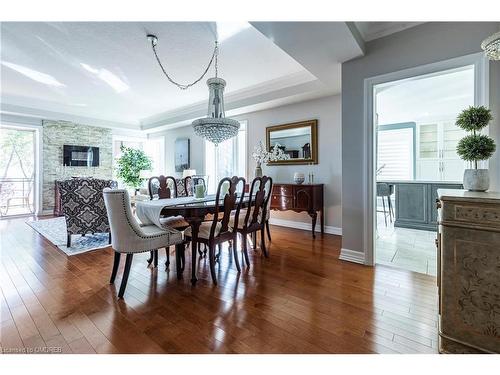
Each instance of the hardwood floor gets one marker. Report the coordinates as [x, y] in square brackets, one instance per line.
[300, 300]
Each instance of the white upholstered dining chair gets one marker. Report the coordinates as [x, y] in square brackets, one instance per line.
[129, 237]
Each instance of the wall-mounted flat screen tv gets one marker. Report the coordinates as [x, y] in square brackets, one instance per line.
[80, 156]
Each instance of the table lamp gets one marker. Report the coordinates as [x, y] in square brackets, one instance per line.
[144, 175]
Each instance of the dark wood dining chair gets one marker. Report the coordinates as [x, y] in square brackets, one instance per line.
[162, 186]
[190, 181]
[254, 217]
[306, 151]
[214, 233]
[165, 187]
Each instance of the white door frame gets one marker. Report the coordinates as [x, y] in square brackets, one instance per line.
[33, 124]
[481, 95]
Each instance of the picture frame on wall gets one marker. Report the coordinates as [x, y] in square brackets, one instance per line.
[299, 140]
[182, 154]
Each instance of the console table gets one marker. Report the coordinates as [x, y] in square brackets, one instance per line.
[300, 198]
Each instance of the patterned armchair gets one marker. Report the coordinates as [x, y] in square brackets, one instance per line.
[83, 205]
[181, 187]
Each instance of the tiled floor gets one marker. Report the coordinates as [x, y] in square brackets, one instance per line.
[410, 249]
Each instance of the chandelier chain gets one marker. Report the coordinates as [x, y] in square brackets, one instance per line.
[183, 86]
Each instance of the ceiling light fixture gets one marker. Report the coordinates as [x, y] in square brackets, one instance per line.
[491, 46]
[216, 127]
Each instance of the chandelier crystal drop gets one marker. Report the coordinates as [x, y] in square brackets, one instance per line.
[491, 46]
[216, 128]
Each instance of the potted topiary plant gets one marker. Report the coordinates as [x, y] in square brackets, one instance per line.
[475, 147]
[130, 164]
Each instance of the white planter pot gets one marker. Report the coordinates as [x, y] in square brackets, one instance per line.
[476, 179]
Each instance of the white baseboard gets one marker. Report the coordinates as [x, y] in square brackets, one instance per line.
[352, 256]
[305, 226]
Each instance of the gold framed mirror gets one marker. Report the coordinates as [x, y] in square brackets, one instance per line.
[299, 140]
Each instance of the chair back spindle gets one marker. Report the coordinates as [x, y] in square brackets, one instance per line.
[191, 181]
[260, 194]
[232, 202]
[163, 186]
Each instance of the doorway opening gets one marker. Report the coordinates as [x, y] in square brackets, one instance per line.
[415, 153]
[18, 166]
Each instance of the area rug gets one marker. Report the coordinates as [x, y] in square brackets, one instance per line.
[55, 231]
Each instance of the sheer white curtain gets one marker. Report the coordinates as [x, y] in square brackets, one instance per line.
[227, 159]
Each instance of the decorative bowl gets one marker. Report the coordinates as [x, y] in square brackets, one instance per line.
[298, 178]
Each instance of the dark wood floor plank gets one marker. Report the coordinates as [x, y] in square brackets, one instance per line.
[302, 299]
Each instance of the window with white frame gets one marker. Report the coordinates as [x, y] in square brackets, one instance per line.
[153, 147]
[396, 151]
[227, 159]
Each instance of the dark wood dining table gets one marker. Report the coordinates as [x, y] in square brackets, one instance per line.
[194, 212]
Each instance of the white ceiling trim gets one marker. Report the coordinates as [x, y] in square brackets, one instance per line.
[320, 47]
[375, 30]
[272, 90]
[241, 112]
[10, 109]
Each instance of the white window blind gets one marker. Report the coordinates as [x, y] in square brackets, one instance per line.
[395, 154]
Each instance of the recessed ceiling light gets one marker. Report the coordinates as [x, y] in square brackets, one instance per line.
[226, 30]
[105, 75]
[34, 75]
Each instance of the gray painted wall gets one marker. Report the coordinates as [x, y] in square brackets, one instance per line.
[59, 133]
[495, 124]
[423, 44]
[197, 149]
[326, 110]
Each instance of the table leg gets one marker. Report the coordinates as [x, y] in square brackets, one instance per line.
[322, 221]
[195, 226]
[314, 216]
[178, 260]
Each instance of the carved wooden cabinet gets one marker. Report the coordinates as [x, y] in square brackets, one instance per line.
[469, 271]
[300, 198]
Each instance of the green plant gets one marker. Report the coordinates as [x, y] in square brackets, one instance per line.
[130, 164]
[475, 147]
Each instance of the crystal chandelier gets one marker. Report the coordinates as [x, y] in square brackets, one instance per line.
[215, 128]
[491, 46]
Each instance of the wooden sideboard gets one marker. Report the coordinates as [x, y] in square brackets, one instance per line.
[300, 198]
[468, 271]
